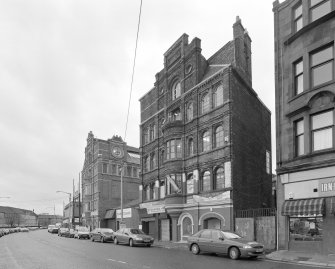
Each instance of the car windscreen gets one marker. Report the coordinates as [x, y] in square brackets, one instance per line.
[230, 235]
[107, 231]
[136, 231]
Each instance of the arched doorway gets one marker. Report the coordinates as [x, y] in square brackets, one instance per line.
[185, 223]
[212, 223]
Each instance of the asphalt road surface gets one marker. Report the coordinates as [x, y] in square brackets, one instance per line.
[42, 250]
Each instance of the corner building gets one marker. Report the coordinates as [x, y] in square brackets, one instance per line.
[205, 140]
[305, 100]
[101, 179]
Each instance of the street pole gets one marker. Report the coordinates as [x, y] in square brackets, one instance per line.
[121, 182]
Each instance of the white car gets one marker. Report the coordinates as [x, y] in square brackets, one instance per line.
[81, 232]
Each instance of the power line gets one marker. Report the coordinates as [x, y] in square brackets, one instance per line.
[132, 76]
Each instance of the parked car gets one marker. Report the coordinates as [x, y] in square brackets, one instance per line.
[102, 235]
[132, 237]
[63, 231]
[71, 233]
[81, 232]
[224, 242]
[52, 229]
[24, 229]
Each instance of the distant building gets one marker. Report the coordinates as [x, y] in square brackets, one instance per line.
[205, 140]
[71, 214]
[305, 133]
[101, 178]
[45, 219]
[15, 217]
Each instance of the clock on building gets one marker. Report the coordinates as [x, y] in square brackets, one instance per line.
[117, 152]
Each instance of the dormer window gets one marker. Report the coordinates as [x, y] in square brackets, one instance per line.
[176, 90]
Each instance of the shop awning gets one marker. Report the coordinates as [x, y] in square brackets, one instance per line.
[304, 207]
[109, 214]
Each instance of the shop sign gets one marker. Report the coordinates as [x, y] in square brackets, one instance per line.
[94, 213]
[156, 209]
[327, 186]
[223, 197]
[126, 213]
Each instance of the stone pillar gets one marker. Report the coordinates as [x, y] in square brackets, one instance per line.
[196, 180]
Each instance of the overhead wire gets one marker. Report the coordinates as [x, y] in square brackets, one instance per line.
[133, 72]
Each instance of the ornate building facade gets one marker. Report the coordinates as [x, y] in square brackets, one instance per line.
[101, 179]
[205, 140]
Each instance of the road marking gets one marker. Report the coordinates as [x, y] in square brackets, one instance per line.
[132, 265]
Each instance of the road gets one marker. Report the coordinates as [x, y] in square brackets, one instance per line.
[42, 250]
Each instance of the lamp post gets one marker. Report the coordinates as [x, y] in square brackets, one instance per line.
[69, 204]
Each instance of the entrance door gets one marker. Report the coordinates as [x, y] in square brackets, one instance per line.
[212, 223]
[165, 230]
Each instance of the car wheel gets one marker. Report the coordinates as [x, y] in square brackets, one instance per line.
[195, 249]
[131, 243]
[102, 240]
[115, 241]
[234, 253]
[92, 238]
[149, 246]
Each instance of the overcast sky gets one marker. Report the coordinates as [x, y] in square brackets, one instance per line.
[65, 70]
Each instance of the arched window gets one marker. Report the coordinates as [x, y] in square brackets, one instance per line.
[219, 141]
[206, 181]
[162, 157]
[176, 90]
[190, 147]
[206, 143]
[162, 189]
[146, 164]
[219, 179]
[189, 111]
[205, 103]
[146, 135]
[218, 96]
[152, 132]
[189, 184]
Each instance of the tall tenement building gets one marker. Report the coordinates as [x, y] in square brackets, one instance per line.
[205, 140]
[101, 178]
[305, 99]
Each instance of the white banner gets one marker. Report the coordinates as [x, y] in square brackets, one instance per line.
[156, 209]
[126, 213]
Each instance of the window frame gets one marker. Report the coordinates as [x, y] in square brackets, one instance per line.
[207, 148]
[215, 182]
[298, 136]
[176, 90]
[202, 185]
[316, 6]
[313, 131]
[172, 149]
[215, 95]
[189, 111]
[205, 107]
[298, 18]
[190, 146]
[298, 75]
[318, 65]
[218, 138]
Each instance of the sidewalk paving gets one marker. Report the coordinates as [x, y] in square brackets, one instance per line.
[302, 258]
[325, 261]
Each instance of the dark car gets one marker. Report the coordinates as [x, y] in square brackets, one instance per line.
[133, 237]
[102, 235]
[224, 242]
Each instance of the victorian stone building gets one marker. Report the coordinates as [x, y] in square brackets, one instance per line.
[205, 140]
[101, 179]
[305, 102]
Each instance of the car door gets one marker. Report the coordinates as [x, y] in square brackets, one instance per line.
[217, 243]
[205, 240]
[120, 236]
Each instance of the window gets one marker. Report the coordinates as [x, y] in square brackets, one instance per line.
[129, 170]
[297, 14]
[189, 184]
[135, 172]
[154, 193]
[219, 179]
[206, 181]
[162, 157]
[173, 149]
[299, 137]
[104, 168]
[298, 77]
[322, 66]
[322, 130]
[218, 139]
[189, 112]
[268, 162]
[162, 189]
[175, 115]
[119, 170]
[319, 8]
[146, 164]
[205, 103]
[176, 90]
[146, 135]
[152, 132]
[147, 192]
[173, 183]
[190, 147]
[114, 169]
[307, 229]
[153, 161]
[206, 143]
[218, 96]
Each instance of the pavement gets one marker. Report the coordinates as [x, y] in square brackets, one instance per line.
[313, 259]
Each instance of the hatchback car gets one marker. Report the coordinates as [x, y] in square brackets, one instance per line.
[63, 232]
[132, 237]
[102, 235]
[224, 242]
